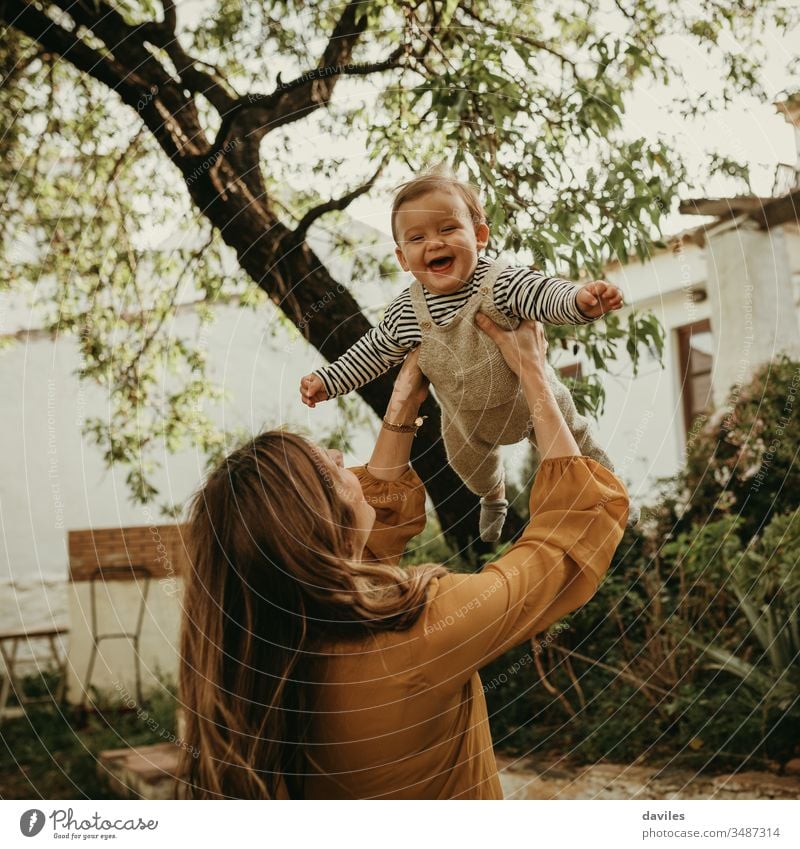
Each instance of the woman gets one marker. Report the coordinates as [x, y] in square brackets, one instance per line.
[313, 666]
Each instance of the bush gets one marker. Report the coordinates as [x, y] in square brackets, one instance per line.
[53, 749]
[664, 664]
[743, 460]
[689, 651]
[762, 585]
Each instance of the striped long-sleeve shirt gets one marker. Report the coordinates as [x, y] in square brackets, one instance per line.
[518, 291]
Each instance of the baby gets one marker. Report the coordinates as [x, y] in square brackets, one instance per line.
[439, 227]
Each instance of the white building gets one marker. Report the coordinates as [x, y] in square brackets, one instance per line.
[727, 293]
[728, 298]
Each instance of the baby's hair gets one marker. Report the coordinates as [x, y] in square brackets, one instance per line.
[440, 176]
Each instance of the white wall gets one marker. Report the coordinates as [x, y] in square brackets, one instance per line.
[753, 310]
[643, 425]
[53, 480]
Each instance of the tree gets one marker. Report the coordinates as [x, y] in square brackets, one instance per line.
[103, 102]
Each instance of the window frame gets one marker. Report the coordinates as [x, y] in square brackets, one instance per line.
[685, 333]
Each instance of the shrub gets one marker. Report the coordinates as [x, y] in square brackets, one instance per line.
[743, 462]
[690, 657]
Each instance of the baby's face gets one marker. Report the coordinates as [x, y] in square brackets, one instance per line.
[438, 242]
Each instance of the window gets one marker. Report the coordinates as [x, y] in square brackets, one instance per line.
[695, 349]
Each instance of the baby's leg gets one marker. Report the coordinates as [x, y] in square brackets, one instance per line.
[479, 465]
[578, 424]
[581, 430]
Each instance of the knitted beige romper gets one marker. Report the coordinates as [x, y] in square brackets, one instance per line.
[482, 402]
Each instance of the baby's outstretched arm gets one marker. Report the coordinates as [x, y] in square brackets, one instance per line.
[370, 357]
[529, 294]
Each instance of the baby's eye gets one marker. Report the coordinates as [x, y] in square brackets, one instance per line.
[416, 239]
[449, 227]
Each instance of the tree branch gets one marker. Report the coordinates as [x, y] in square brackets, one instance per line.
[529, 40]
[293, 100]
[164, 36]
[122, 39]
[130, 70]
[55, 39]
[299, 232]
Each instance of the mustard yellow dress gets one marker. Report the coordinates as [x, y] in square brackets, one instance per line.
[402, 714]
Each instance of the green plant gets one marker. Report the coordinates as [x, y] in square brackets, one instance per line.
[743, 460]
[52, 751]
[687, 654]
[764, 581]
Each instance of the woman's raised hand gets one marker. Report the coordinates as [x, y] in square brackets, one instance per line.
[392, 450]
[523, 349]
[410, 385]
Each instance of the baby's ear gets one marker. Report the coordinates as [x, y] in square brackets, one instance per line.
[482, 234]
[401, 258]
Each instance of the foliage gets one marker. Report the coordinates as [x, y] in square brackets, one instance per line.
[763, 580]
[431, 546]
[689, 658]
[528, 99]
[742, 460]
[689, 652]
[600, 340]
[52, 751]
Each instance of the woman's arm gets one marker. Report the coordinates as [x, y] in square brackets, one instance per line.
[389, 484]
[524, 350]
[578, 513]
[578, 510]
[389, 460]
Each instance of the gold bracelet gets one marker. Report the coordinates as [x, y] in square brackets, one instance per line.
[405, 428]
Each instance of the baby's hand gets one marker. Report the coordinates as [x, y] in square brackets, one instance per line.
[312, 391]
[599, 297]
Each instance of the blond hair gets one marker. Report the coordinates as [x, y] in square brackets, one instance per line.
[440, 177]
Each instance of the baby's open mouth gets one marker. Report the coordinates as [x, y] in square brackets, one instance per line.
[441, 263]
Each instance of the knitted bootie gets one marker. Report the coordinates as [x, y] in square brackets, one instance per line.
[493, 517]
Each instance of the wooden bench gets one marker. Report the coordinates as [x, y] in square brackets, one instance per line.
[9, 644]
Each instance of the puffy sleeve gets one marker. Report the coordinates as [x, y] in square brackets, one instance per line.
[578, 514]
[399, 513]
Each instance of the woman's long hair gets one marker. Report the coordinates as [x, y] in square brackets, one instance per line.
[271, 545]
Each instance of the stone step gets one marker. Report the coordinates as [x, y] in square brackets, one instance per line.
[148, 772]
[529, 779]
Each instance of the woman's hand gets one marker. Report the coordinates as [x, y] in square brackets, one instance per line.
[410, 385]
[392, 450]
[524, 349]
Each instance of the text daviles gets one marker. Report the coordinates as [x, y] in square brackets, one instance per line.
[663, 815]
